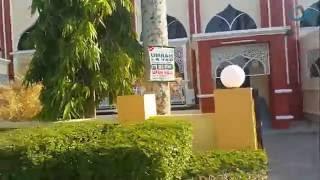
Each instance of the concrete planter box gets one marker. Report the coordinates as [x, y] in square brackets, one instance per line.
[136, 108]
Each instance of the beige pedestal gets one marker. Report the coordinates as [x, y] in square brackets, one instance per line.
[234, 120]
[135, 108]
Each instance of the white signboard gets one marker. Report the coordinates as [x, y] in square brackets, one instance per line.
[162, 63]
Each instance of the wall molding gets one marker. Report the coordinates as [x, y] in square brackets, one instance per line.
[23, 52]
[4, 61]
[285, 117]
[283, 91]
[238, 42]
[240, 33]
[205, 96]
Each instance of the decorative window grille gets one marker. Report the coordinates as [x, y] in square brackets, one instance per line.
[179, 59]
[252, 58]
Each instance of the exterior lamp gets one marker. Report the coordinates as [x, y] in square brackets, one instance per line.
[232, 76]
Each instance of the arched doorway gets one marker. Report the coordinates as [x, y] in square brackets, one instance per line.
[254, 60]
[251, 67]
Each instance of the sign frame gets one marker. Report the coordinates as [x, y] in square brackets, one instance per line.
[173, 76]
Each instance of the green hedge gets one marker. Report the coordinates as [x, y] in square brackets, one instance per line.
[84, 151]
[98, 151]
[234, 165]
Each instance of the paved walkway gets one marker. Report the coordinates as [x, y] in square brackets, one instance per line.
[294, 153]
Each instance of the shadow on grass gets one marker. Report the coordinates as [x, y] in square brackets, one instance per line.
[6, 129]
[94, 164]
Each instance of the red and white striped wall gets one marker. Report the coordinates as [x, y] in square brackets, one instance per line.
[6, 34]
[286, 91]
[275, 13]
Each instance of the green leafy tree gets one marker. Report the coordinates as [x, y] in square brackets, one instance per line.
[86, 50]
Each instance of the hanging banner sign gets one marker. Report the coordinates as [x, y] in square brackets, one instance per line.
[162, 63]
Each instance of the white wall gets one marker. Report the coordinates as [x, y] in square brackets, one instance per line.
[309, 40]
[21, 19]
[175, 8]
[306, 3]
[209, 8]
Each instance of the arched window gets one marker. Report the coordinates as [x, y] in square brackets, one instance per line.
[230, 19]
[253, 58]
[25, 42]
[252, 67]
[175, 29]
[311, 16]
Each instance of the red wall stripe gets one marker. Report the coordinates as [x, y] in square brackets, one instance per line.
[264, 8]
[191, 16]
[8, 34]
[194, 16]
[198, 16]
[2, 50]
[276, 13]
[280, 103]
[293, 54]
[205, 75]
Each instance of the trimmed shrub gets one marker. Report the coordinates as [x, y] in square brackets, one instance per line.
[233, 165]
[19, 103]
[96, 150]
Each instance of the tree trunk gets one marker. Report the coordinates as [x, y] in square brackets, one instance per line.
[90, 107]
[154, 33]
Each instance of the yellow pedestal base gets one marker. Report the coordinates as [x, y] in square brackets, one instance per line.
[234, 120]
[135, 108]
[232, 127]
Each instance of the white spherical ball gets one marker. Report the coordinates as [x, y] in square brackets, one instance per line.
[233, 76]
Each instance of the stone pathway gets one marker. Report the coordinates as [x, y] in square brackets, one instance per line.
[294, 153]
